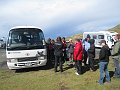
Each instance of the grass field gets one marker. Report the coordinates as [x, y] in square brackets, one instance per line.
[45, 79]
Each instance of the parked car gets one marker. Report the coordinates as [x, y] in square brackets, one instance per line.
[2, 43]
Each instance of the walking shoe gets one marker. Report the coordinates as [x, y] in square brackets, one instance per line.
[77, 73]
[92, 70]
[107, 81]
[116, 77]
[99, 83]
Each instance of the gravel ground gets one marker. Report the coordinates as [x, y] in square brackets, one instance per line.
[3, 59]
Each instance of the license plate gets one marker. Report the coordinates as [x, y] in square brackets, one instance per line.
[29, 64]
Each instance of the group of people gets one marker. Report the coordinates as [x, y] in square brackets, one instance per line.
[83, 51]
[62, 51]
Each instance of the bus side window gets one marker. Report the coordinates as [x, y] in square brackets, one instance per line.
[110, 39]
[100, 36]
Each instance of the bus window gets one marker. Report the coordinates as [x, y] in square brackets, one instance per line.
[110, 38]
[100, 36]
[26, 38]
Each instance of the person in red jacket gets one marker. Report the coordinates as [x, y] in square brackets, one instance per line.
[78, 56]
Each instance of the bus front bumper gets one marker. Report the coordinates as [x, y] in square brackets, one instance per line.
[26, 64]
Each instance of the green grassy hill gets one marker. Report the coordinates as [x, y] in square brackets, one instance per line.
[74, 36]
[116, 28]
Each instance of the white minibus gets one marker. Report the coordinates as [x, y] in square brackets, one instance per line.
[108, 36]
[26, 47]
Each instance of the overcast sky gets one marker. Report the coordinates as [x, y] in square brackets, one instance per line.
[59, 17]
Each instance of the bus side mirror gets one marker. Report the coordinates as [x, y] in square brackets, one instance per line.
[43, 42]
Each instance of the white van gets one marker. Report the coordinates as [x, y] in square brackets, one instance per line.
[26, 47]
[102, 35]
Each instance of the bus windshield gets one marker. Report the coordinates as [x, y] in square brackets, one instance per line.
[25, 39]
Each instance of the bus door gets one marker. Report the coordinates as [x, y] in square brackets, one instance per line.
[95, 38]
[110, 41]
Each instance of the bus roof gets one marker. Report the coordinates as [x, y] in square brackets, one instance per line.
[111, 32]
[25, 27]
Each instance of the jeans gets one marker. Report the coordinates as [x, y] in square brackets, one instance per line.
[78, 66]
[103, 67]
[117, 67]
[58, 60]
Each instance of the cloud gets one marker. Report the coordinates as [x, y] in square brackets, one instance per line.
[58, 17]
[42, 10]
[98, 25]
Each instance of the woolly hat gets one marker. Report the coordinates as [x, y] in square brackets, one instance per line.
[88, 36]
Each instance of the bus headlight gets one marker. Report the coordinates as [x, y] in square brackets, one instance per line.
[12, 60]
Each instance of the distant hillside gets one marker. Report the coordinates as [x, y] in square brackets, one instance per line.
[74, 36]
[116, 29]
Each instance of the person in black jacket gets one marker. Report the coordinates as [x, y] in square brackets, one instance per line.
[48, 44]
[58, 52]
[91, 54]
[104, 60]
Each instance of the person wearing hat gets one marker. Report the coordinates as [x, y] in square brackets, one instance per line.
[91, 55]
[103, 62]
[86, 47]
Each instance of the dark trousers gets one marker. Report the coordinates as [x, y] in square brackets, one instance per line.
[91, 63]
[117, 67]
[58, 61]
[52, 57]
[85, 57]
[78, 66]
[64, 56]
